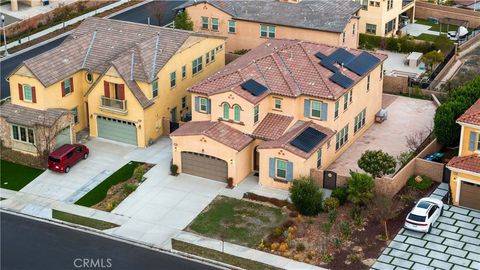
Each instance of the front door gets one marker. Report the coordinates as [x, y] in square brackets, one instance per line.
[173, 115]
[88, 118]
[329, 180]
[256, 158]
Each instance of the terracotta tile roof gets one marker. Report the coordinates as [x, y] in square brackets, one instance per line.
[272, 126]
[468, 163]
[331, 16]
[286, 67]
[472, 115]
[284, 141]
[16, 114]
[137, 51]
[217, 131]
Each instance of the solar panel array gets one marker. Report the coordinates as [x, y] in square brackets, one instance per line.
[253, 87]
[360, 64]
[308, 139]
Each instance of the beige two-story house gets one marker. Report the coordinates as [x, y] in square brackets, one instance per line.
[247, 24]
[282, 109]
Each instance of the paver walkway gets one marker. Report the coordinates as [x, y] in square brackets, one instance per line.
[453, 244]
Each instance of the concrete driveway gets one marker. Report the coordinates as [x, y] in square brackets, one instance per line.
[104, 159]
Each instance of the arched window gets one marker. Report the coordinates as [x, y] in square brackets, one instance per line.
[226, 111]
[236, 113]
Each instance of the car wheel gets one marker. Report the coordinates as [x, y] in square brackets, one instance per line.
[85, 156]
[67, 169]
[441, 211]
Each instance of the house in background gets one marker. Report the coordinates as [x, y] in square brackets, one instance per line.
[122, 81]
[385, 17]
[247, 24]
[465, 169]
[283, 108]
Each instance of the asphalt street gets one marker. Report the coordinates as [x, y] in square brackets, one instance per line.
[139, 15]
[30, 244]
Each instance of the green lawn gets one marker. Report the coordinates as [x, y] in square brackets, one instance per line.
[99, 193]
[436, 27]
[15, 176]
[84, 221]
[237, 221]
[427, 37]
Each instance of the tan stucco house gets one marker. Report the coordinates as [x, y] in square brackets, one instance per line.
[282, 109]
[465, 169]
[385, 17]
[122, 81]
[248, 24]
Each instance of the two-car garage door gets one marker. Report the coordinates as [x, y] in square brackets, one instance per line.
[469, 193]
[204, 166]
[117, 130]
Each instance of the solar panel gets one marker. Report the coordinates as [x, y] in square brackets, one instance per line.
[341, 80]
[308, 139]
[363, 63]
[320, 55]
[329, 66]
[341, 56]
[254, 87]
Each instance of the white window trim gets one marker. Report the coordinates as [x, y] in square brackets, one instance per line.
[276, 168]
[26, 134]
[311, 109]
[174, 79]
[275, 104]
[200, 104]
[24, 95]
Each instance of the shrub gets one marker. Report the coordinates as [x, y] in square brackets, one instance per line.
[345, 229]
[300, 247]
[337, 242]
[327, 258]
[174, 169]
[356, 214]
[129, 188]
[426, 182]
[326, 227]
[288, 223]
[332, 215]
[138, 172]
[405, 157]
[340, 193]
[306, 196]
[277, 232]
[183, 21]
[377, 163]
[283, 247]
[241, 51]
[360, 187]
[331, 203]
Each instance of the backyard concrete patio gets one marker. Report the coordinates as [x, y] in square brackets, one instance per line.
[406, 116]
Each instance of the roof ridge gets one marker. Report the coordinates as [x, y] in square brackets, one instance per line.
[316, 67]
[299, 89]
[282, 74]
[89, 48]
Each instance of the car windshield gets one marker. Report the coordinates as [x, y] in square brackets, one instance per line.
[416, 218]
[53, 159]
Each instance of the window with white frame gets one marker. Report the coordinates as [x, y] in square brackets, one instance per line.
[212, 55]
[341, 137]
[267, 31]
[203, 105]
[23, 134]
[390, 26]
[204, 23]
[155, 88]
[75, 115]
[371, 29]
[337, 108]
[197, 65]
[359, 121]
[184, 102]
[281, 168]
[316, 109]
[345, 102]
[214, 24]
[319, 158]
[256, 114]
[207, 58]
[278, 104]
[67, 86]
[232, 27]
[27, 92]
[173, 79]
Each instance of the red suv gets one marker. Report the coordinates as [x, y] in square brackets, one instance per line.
[67, 155]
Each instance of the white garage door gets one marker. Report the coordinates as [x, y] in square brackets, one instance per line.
[117, 130]
[64, 137]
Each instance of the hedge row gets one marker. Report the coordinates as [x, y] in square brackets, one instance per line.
[404, 44]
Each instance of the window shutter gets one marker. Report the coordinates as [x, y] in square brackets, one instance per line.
[106, 89]
[324, 114]
[208, 105]
[272, 168]
[473, 136]
[63, 89]
[34, 95]
[306, 107]
[121, 90]
[20, 91]
[197, 104]
[71, 85]
[289, 171]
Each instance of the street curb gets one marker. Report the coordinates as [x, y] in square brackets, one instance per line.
[96, 232]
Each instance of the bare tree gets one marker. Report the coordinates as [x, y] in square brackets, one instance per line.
[415, 140]
[383, 209]
[157, 10]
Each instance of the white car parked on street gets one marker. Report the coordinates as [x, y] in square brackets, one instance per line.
[424, 214]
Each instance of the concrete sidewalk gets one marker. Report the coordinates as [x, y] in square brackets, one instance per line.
[244, 252]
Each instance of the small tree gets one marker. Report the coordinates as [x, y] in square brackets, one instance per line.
[157, 10]
[432, 58]
[383, 209]
[377, 163]
[183, 21]
[306, 196]
[360, 187]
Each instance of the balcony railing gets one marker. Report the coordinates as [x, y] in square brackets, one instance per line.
[115, 105]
